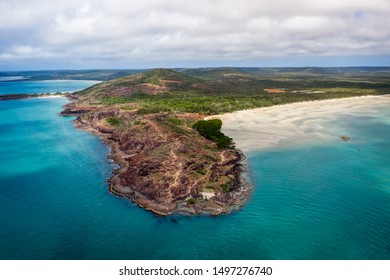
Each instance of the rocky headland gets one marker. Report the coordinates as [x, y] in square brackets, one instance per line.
[165, 165]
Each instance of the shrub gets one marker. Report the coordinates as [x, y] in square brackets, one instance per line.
[211, 129]
[191, 200]
[226, 186]
[201, 172]
[114, 121]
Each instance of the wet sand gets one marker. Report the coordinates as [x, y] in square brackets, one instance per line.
[295, 123]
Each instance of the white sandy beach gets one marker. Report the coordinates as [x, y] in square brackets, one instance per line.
[51, 96]
[296, 123]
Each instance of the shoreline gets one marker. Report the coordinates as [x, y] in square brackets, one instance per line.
[296, 123]
[6, 97]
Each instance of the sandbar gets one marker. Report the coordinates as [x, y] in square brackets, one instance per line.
[295, 123]
[52, 96]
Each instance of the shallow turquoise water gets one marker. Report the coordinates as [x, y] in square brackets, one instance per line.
[49, 86]
[328, 201]
[320, 202]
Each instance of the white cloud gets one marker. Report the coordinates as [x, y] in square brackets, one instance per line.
[120, 30]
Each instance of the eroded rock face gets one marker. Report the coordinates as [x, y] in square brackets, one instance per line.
[163, 170]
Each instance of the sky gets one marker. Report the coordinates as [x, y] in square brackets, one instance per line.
[113, 34]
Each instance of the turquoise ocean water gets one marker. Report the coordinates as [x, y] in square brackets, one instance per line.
[320, 202]
[48, 86]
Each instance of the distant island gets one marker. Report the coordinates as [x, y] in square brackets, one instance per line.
[170, 159]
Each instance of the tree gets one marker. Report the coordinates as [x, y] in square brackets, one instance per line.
[211, 129]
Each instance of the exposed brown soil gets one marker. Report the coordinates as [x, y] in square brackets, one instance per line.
[274, 90]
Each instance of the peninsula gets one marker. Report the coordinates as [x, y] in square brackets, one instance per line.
[173, 161]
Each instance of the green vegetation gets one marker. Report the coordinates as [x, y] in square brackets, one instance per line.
[211, 105]
[211, 129]
[114, 121]
[128, 107]
[176, 125]
[212, 91]
[191, 200]
[226, 186]
[202, 172]
[139, 122]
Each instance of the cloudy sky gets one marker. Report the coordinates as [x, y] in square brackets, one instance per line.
[78, 34]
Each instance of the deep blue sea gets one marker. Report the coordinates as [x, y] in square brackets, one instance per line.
[320, 202]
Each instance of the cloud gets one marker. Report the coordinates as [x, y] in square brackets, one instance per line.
[176, 30]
